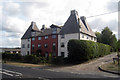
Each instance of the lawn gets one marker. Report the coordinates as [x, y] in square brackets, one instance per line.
[111, 67]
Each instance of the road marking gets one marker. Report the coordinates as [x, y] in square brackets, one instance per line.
[6, 73]
[12, 71]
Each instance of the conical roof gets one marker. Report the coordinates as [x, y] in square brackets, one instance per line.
[74, 24]
[33, 27]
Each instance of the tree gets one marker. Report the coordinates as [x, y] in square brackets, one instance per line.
[107, 37]
[98, 35]
[113, 42]
[118, 45]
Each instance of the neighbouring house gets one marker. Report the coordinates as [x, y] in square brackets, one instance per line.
[46, 41]
[10, 50]
[74, 28]
[54, 40]
[26, 38]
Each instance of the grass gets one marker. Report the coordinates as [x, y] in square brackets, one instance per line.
[25, 64]
[111, 67]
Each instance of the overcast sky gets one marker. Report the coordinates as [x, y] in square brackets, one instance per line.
[16, 16]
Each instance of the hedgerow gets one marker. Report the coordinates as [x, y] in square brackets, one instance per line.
[83, 50]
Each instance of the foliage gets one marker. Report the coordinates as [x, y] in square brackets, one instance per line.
[82, 50]
[27, 58]
[98, 35]
[58, 60]
[107, 37]
[118, 45]
[12, 57]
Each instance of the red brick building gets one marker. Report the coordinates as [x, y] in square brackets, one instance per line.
[46, 41]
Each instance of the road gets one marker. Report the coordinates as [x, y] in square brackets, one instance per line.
[10, 71]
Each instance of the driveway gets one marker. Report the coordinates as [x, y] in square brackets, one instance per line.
[88, 67]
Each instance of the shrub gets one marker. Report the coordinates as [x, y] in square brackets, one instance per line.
[82, 50]
[11, 56]
[59, 60]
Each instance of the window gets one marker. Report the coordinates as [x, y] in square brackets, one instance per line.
[46, 45]
[53, 36]
[87, 37]
[23, 45]
[39, 46]
[33, 46]
[82, 35]
[54, 30]
[53, 54]
[91, 38]
[62, 44]
[28, 45]
[46, 37]
[39, 38]
[62, 36]
[33, 39]
[54, 46]
[62, 54]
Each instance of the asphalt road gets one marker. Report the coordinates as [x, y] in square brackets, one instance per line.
[9, 71]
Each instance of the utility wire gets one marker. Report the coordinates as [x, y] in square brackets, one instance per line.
[102, 14]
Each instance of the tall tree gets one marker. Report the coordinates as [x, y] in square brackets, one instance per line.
[98, 35]
[118, 45]
[107, 37]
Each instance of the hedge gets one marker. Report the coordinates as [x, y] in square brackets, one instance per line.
[83, 50]
[27, 58]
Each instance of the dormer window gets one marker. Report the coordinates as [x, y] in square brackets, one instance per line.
[33, 39]
[46, 37]
[54, 30]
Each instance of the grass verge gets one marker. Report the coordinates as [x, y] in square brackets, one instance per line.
[111, 67]
[25, 64]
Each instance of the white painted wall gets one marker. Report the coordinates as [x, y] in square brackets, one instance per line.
[66, 39]
[24, 50]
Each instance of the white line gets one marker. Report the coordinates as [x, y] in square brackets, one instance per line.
[6, 73]
[12, 71]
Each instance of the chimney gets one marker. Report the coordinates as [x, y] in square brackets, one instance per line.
[73, 12]
[43, 27]
[33, 24]
[83, 18]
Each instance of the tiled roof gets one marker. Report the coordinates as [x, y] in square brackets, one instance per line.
[31, 29]
[48, 31]
[74, 24]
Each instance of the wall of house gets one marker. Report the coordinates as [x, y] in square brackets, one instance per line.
[26, 50]
[44, 41]
[65, 41]
[87, 37]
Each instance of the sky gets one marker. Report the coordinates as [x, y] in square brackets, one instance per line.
[17, 15]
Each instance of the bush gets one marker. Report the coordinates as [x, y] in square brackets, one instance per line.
[82, 50]
[34, 59]
[59, 60]
[11, 56]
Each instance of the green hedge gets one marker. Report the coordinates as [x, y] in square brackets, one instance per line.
[27, 58]
[83, 50]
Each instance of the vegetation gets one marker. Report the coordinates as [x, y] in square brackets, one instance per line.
[82, 50]
[27, 59]
[107, 37]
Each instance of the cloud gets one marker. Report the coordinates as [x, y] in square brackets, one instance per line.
[112, 5]
[18, 14]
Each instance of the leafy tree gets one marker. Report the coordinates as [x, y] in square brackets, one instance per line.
[98, 35]
[118, 45]
[113, 42]
[107, 37]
